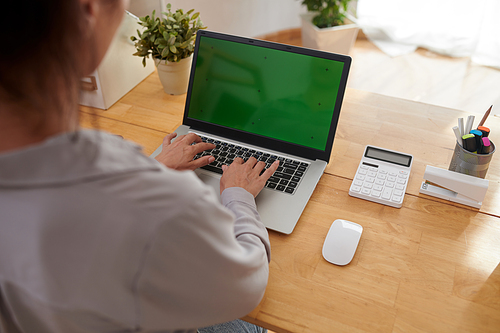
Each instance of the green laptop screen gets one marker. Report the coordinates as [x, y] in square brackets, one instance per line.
[272, 93]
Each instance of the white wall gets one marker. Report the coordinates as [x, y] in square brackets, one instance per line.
[239, 17]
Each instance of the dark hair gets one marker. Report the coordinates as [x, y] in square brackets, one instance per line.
[40, 66]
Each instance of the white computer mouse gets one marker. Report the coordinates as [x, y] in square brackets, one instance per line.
[341, 242]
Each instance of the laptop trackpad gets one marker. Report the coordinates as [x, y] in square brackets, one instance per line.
[212, 181]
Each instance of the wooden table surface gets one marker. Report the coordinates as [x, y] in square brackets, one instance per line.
[430, 266]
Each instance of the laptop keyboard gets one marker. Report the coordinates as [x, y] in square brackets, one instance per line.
[285, 179]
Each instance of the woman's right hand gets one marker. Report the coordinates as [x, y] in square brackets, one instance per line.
[246, 175]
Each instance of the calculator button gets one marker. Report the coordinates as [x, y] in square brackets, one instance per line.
[383, 172]
[387, 193]
[380, 176]
[372, 173]
[393, 174]
[375, 194]
[366, 191]
[400, 187]
[402, 172]
[355, 188]
[403, 176]
[362, 172]
[372, 169]
[396, 198]
[398, 192]
[391, 185]
[370, 179]
[379, 182]
[401, 181]
[367, 185]
[358, 182]
[391, 178]
[360, 177]
[377, 187]
[363, 167]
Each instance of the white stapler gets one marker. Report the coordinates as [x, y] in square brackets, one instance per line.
[454, 186]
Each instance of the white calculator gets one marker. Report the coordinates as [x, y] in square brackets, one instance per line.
[382, 176]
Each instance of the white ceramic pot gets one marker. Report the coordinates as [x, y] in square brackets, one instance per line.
[174, 76]
[339, 39]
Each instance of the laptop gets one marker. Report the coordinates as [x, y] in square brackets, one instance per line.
[271, 101]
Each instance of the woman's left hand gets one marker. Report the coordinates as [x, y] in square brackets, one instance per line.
[179, 154]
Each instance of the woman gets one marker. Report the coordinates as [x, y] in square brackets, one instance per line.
[95, 236]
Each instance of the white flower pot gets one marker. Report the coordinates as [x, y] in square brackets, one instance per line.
[174, 76]
[339, 39]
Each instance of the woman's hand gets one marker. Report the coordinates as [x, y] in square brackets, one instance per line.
[246, 175]
[179, 154]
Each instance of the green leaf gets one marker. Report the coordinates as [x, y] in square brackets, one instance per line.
[171, 40]
[169, 6]
[144, 62]
[173, 49]
[164, 53]
[195, 16]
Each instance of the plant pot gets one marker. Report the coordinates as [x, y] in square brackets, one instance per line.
[174, 76]
[339, 39]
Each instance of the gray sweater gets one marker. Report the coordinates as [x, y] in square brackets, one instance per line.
[97, 237]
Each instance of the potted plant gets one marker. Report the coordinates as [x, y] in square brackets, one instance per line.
[326, 26]
[170, 42]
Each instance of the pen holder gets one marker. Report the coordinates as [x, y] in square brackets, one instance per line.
[472, 164]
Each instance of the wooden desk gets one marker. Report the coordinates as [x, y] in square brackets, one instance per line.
[431, 266]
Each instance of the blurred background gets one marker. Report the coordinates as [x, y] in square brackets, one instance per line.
[443, 52]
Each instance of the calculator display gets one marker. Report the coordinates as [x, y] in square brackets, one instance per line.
[388, 156]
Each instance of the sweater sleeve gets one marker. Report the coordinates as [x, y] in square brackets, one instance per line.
[207, 264]
[247, 222]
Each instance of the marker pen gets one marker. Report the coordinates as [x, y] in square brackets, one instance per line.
[477, 135]
[485, 130]
[469, 142]
[485, 146]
